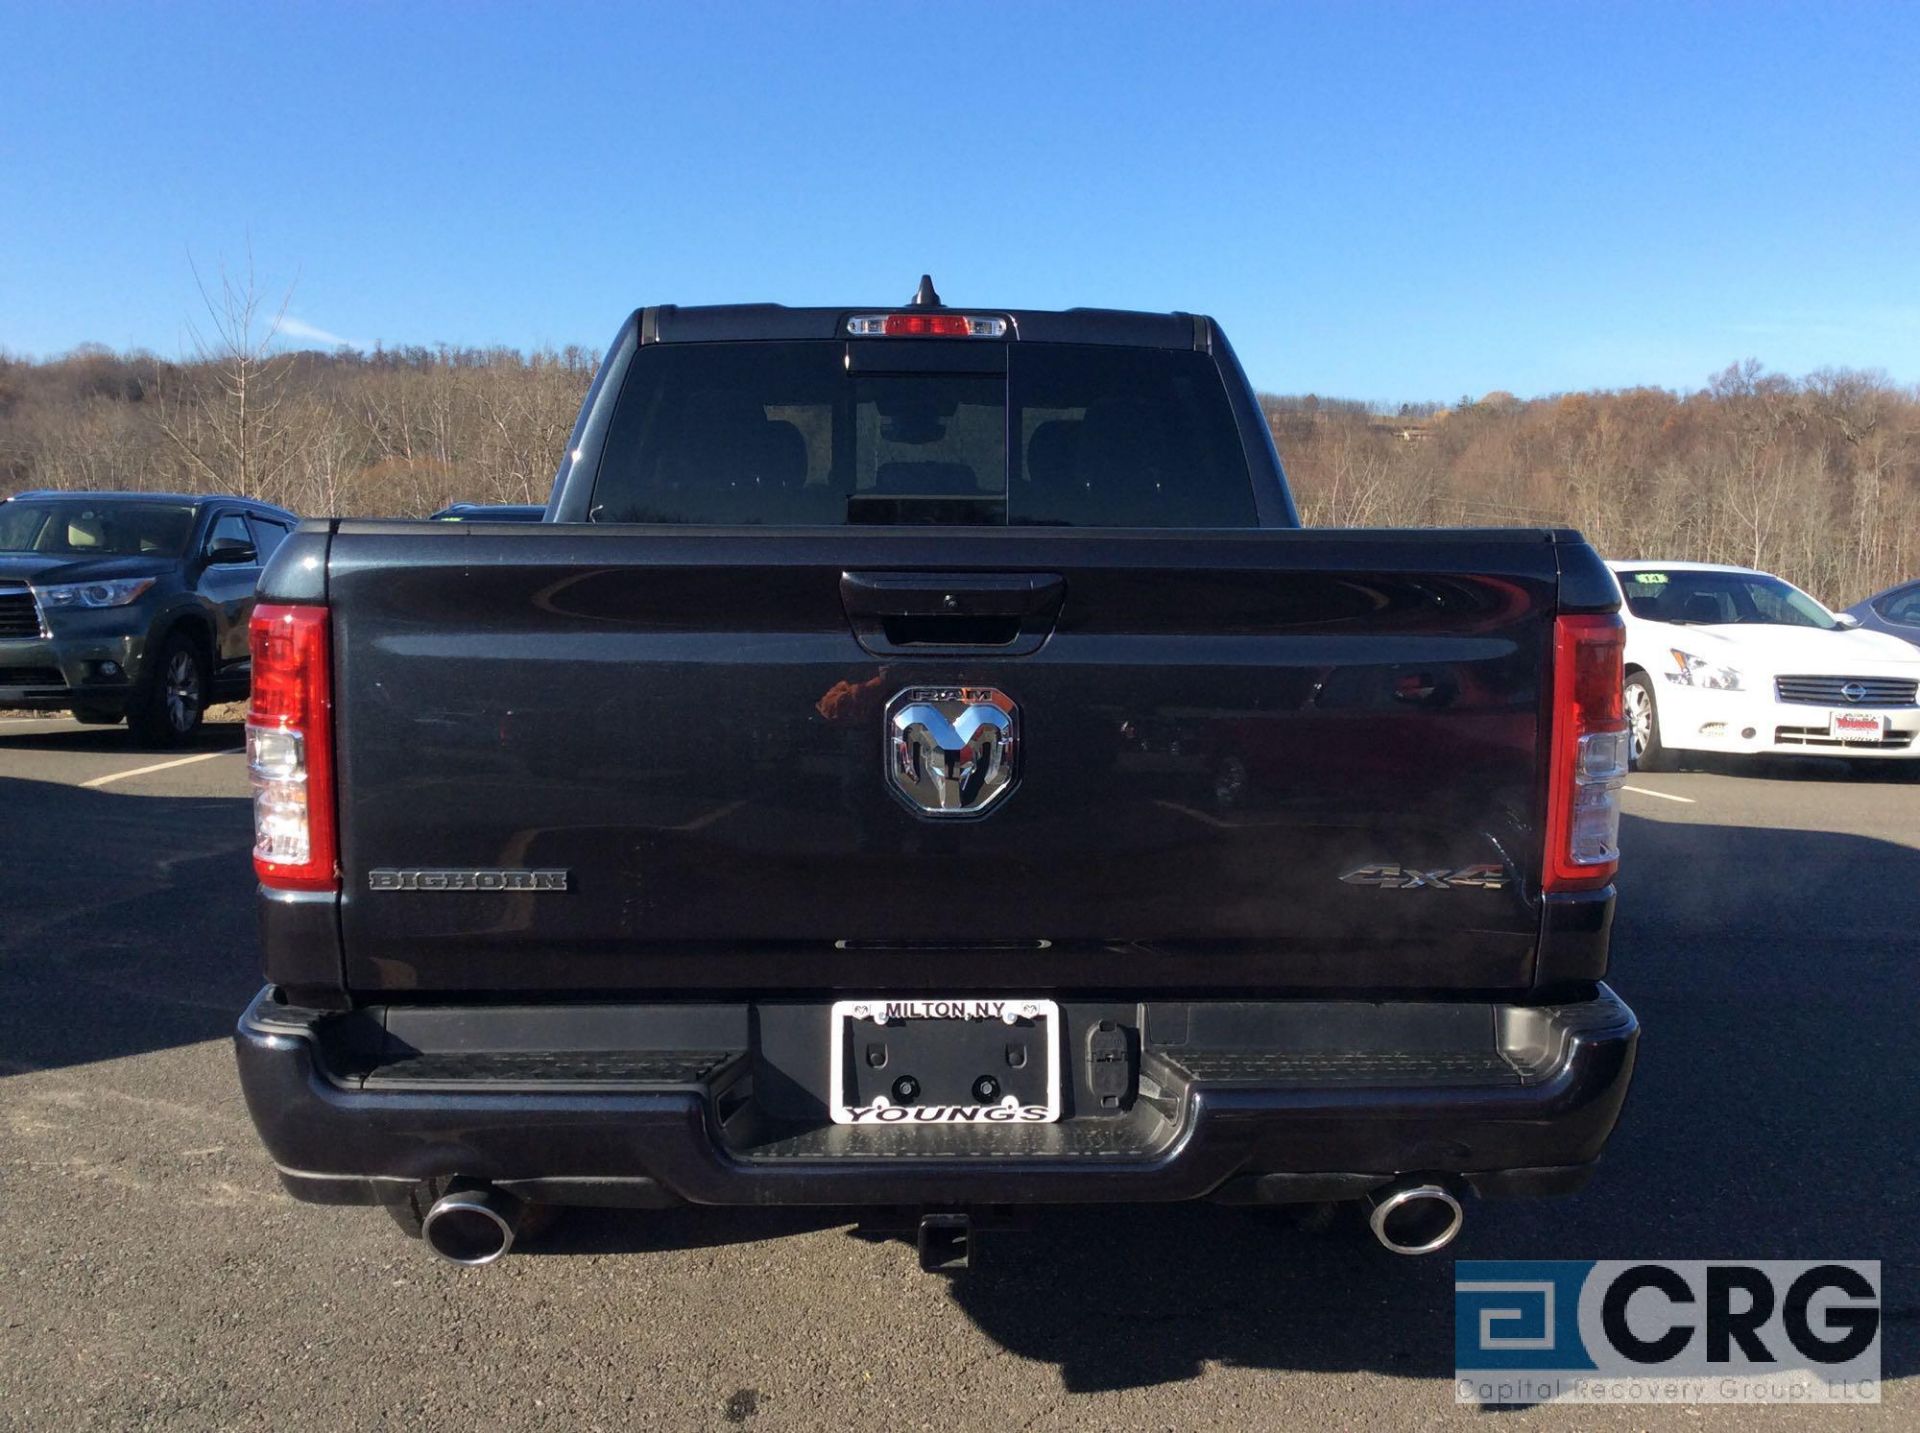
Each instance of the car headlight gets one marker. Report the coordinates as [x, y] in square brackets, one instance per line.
[117, 593]
[1699, 672]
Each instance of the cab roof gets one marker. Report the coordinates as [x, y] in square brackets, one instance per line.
[721, 323]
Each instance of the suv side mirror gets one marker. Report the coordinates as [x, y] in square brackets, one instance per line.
[1846, 620]
[231, 552]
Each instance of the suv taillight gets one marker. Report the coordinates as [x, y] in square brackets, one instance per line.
[1589, 753]
[290, 749]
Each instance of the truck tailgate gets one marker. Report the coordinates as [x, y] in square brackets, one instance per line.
[1263, 759]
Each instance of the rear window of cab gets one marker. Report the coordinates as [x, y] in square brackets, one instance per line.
[793, 433]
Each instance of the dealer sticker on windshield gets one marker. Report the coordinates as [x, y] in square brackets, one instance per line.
[944, 1062]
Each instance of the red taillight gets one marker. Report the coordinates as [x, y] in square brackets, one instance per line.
[1589, 753]
[290, 749]
[926, 325]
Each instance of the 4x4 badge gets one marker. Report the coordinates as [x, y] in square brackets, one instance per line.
[1406, 878]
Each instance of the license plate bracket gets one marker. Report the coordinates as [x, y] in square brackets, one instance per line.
[919, 1062]
[1857, 726]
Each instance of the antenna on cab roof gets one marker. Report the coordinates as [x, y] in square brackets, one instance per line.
[924, 296]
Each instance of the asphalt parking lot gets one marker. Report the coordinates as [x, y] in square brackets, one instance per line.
[152, 1273]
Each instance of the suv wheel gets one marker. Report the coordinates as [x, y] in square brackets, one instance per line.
[176, 695]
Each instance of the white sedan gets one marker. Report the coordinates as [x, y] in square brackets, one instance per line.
[1729, 659]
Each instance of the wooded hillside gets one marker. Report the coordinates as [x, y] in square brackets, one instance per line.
[1815, 478]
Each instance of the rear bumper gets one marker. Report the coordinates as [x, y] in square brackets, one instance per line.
[655, 1105]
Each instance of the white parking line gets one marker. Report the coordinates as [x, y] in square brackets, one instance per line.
[161, 766]
[1664, 796]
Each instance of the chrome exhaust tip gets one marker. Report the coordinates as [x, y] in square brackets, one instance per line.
[471, 1226]
[1414, 1218]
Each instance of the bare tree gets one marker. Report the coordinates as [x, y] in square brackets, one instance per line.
[229, 425]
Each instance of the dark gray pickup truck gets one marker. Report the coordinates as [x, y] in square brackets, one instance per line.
[921, 763]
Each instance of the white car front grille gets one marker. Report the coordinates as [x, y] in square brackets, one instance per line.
[1847, 691]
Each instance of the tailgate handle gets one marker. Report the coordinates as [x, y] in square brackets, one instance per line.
[932, 613]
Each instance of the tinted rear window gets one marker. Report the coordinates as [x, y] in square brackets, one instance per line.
[787, 434]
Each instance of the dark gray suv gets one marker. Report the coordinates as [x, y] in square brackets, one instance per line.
[130, 606]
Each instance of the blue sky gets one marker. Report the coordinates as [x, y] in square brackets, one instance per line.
[1389, 202]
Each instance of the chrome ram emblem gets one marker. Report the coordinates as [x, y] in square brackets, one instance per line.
[951, 751]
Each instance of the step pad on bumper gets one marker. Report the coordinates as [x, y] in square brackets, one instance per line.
[547, 1070]
[1274, 1067]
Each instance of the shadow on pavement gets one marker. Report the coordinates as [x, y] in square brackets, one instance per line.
[1818, 769]
[118, 741]
[126, 922]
